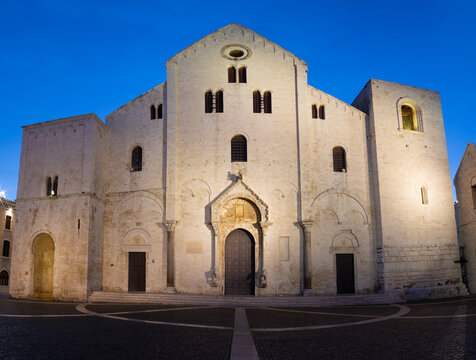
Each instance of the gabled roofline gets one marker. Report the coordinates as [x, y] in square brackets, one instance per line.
[66, 120]
[470, 145]
[338, 100]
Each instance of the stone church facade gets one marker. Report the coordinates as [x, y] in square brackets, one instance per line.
[236, 177]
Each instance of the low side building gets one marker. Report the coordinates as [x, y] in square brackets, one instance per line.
[7, 211]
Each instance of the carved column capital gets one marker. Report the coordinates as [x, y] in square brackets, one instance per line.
[306, 224]
[170, 225]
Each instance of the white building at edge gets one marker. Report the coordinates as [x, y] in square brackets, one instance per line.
[236, 177]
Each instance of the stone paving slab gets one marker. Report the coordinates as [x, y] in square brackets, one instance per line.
[8, 306]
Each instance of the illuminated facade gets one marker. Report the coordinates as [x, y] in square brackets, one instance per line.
[236, 177]
[7, 210]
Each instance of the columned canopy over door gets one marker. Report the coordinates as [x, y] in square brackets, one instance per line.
[137, 271]
[239, 263]
[345, 273]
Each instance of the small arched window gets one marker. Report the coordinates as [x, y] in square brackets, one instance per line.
[408, 118]
[242, 74]
[338, 157]
[8, 222]
[256, 101]
[49, 186]
[232, 74]
[473, 191]
[238, 148]
[314, 111]
[136, 161]
[55, 187]
[6, 248]
[267, 102]
[152, 112]
[219, 101]
[4, 278]
[322, 112]
[208, 102]
[159, 111]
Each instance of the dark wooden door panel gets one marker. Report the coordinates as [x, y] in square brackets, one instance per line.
[345, 273]
[239, 264]
[137, 271]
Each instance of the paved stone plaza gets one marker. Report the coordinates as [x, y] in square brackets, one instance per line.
[444, 329]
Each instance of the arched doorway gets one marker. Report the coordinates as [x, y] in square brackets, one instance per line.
[43, 265]
[239, 263]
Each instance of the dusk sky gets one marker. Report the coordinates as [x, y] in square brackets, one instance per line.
[66, 58]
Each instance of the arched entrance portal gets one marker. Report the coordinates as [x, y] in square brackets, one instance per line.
[239, 263]
[43, 265]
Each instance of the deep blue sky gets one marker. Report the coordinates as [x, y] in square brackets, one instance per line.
[64, 58]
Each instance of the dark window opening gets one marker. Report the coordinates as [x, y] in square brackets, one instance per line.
[152, 112]
[473, 190]
[256, 101]
[338, 155]
[236, 53]
[238, 149]
[8, 222]
[6, 248]
[136, 163]
[219, 101]
[208, 102]
[322, 112]
[232, 74]
[242, 74]
[159, 111]
[3, 278]
[49, 186]
[267, 102]
[55, 187]
[314, 111]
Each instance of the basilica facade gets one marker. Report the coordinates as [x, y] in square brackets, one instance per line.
[236, 177]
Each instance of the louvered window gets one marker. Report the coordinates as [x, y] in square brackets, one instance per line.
[208, 102]
[159, 111]
[242, 74]
[338, 155]
[232, 74]
[8, 222]
[267, 102]
[152, 112]
[219, 101]
[238, 148]
[314, 111]
[136, 161]
[256, 101]
[322, 112]
[6, 248]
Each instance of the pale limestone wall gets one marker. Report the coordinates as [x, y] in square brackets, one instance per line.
[464, 180]
[6, 208]
[199, 147]
[402, 162]
[70, 149]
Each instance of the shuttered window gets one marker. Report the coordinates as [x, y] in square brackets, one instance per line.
[219, 101]
[338, 155]
[232, 74]
[267, 102]
[256, 101]
[242, 74]
[208, 102]
[314, 111]
[238, 148]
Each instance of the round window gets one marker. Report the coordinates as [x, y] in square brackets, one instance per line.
[235, 52]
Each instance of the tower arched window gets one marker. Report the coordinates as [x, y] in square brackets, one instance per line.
[338, 157]
[409, 115]
[314, 111]
[322, 112]
[219, 101]
[232, 74]
[473, 192]
[256, 101]
[208, 102]
[136, 159]
[6, 248]
[242, 74]
[408, 118]
[152, 112]
[238, 149]
[159, 111]
[267, 102]
[3, 277]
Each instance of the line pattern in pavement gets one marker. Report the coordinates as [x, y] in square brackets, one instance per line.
[242, 346]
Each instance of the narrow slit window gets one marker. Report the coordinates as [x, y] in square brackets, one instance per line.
[208, 102]
[238, 149]
[219, 101]
[314, 111]
[55, 187]
[159, 111]
[152, 112]
[3, 277]
[322, 112]
[424, 196]
[232, 74]
[338, 156]
[8, 222]
[49, 186]
[473, 190]
[242, 75]
[267, 102]
[6, 248]
[136, 163]
[256, 101]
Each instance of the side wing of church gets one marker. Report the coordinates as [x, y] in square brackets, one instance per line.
[237, 177]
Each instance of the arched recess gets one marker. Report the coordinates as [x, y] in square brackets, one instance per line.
[136, 201]
[136, 240]
[43, 250]
[418, 119]
[4, 278]
[238, 208]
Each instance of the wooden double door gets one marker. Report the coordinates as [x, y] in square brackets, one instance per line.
[239, 263]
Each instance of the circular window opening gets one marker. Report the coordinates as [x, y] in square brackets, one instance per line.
[236, 53]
